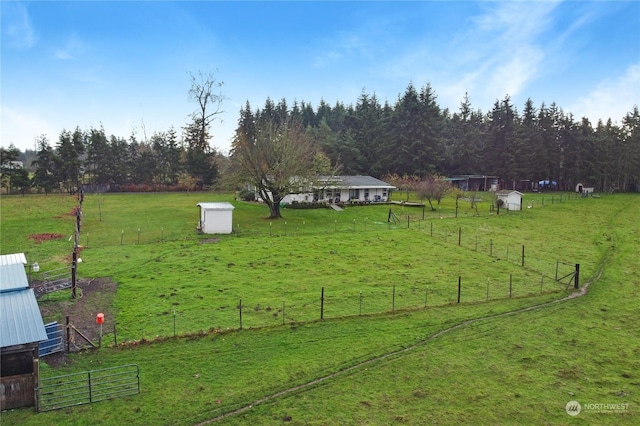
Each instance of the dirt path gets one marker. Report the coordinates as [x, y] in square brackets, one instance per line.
[400, 352]
[93, 296]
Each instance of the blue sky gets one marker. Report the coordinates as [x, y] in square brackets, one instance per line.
[125, 65]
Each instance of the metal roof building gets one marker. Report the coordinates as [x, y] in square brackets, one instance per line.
[21, 328]
[20, 318]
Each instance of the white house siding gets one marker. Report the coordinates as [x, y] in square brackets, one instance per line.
[355, 194]
[216, 218]
[342, 189]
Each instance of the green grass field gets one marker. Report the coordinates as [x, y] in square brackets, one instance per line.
[517, 369]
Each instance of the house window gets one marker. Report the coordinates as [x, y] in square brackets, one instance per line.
[354, 194]
[366, 195]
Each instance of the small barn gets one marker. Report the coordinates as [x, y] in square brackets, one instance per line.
[512, 200]
[21, 329]
[474, 182]
[216, 218]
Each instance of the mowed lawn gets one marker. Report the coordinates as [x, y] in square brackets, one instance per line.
[527, 365]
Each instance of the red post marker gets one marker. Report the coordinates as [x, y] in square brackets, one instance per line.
[100, 318]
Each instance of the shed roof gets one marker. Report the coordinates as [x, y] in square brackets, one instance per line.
[20, 318]
[13, 277]
[10, 259]
[508, 192]
[216, 206]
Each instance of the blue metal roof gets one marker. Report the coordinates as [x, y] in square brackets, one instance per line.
[13, 277]
[20, 318]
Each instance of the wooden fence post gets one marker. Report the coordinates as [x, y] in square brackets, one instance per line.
[68, 326]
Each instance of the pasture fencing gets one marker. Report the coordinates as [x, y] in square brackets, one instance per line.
[54, 393]
[326, 303]
[397, 215]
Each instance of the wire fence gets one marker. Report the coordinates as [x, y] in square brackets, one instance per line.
[236, 314]
[538, 274]
[393, 216]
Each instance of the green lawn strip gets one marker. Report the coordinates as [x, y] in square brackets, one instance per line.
[21, 218]
[186, 377]
[199, 287]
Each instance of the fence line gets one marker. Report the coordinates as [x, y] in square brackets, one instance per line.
[396, 297]
[405, 217]
[325, 304]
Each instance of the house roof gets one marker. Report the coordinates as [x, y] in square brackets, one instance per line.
[216, 206]
[354, 182]
[20, 318]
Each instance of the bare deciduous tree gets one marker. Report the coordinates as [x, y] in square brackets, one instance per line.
[433, 187]
[275, 158]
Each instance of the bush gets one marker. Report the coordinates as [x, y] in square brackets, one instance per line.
[246, 195]
[306, 205]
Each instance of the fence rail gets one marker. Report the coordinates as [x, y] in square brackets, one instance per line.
[55, 340]
[327, 303]
[50, 281]
[54, 393]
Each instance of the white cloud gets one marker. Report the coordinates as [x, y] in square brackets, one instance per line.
[611, 98]
[517, 70]
[17, 29]
[73, 48]
[16, 125]
[496, 52]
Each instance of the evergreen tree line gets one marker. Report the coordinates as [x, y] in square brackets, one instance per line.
[104, 163]
[413, 136]
[416, 137]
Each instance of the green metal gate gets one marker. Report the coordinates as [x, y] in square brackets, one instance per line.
[58, 392]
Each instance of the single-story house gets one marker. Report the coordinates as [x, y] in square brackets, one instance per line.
[474, 182]
[512, 199]
[341, 189]
[21, 329]
[216, 218]
[336, 189]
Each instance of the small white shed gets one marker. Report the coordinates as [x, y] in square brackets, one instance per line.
[216, 218]
[511, 199]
